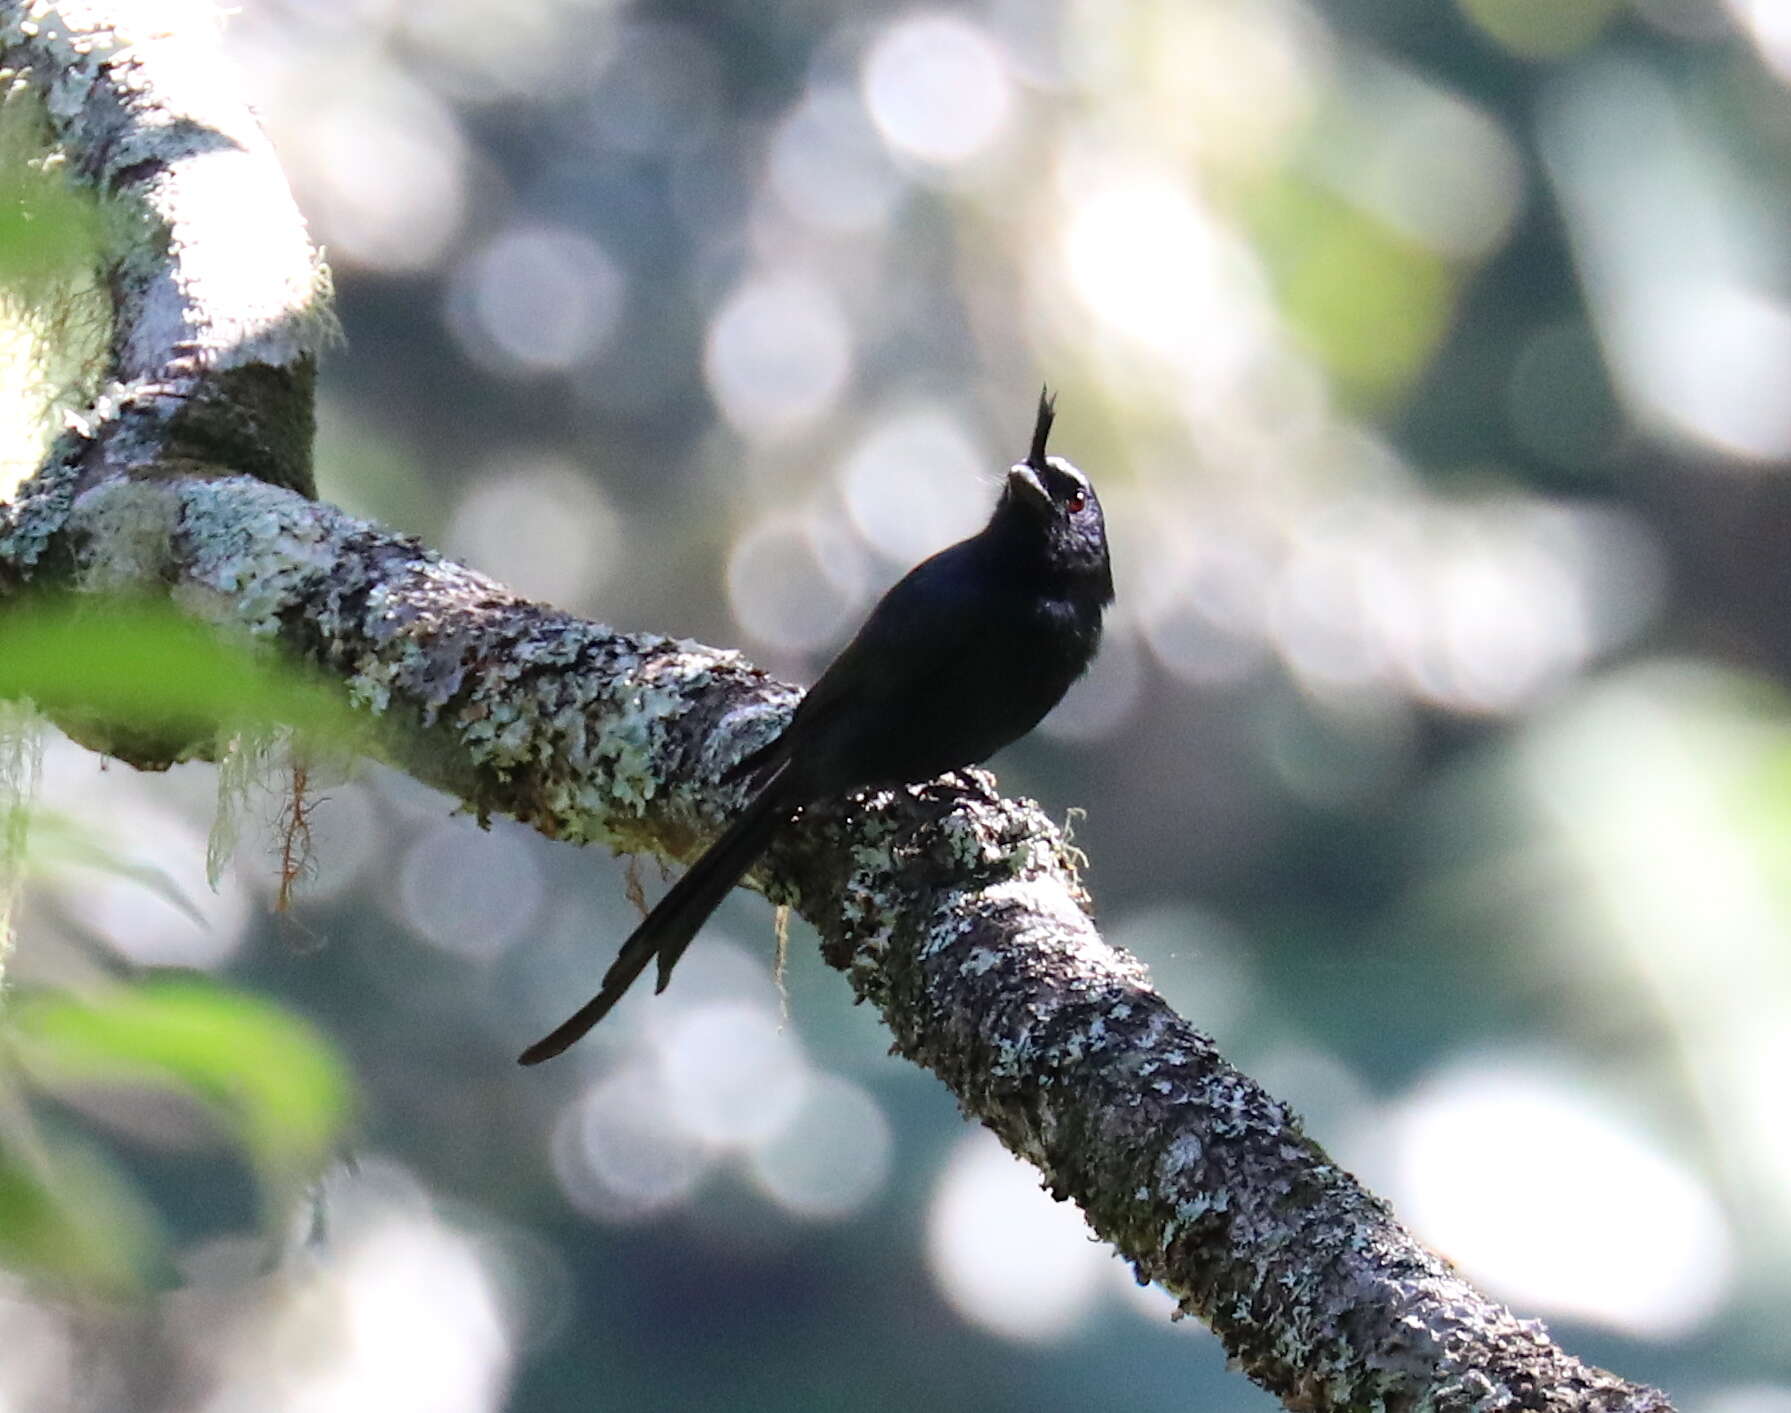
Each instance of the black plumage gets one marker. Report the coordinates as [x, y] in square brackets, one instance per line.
[966, 653]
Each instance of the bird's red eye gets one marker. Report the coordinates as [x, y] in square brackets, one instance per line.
[1074, 501]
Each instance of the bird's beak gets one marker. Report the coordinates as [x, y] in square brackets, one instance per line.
[1024, 482]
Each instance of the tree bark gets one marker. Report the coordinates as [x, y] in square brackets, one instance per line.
[957, 913]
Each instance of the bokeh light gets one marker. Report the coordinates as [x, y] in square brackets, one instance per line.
[832, 1155]
[715, 1079]
[1671, 243]
[1234, 85]
[779, 354]
[1206, 616]
[1649, 1254]
[380, 167]
[538, 525]
[1676, 894]
[467, 890]
[796, 581]
[1435, 168]
[1151, 264]
[1006, 1257]
[1769, 26]
[916, 481]
[937, 88]
[620, 1155]
[827, 166]
[733, 1076]
[536, 301]
[395, 1310]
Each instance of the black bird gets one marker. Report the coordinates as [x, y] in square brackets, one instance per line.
[965, 654]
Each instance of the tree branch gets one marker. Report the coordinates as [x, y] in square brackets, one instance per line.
[956, 913]
[220, 302]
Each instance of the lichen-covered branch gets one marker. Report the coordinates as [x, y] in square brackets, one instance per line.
[219, 300]
[956, 913]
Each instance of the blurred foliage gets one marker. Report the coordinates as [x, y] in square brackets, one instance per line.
[267, 1078]
[70, 1213]
[50, 840]
[1370, 305]
[50, 228]
[55, 318]
[69, 1217]
[156, 677]
[138, 674]
[1541, 29]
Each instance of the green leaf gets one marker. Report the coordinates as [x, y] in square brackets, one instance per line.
[68, 1216]
[273, 1082]
[51, 228]
[143, 664]
[47, 230]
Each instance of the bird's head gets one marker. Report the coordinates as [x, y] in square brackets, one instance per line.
[1047, 492]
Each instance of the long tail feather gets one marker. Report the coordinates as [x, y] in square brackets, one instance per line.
[669, 928]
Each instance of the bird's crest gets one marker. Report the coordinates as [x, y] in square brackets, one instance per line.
[1041, 429]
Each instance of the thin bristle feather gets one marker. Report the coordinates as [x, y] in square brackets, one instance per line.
[1041, 430]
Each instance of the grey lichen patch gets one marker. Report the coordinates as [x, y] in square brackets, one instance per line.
[1181, 1157]
[628, 746]
[370, 689]
[251, 552]
[32, 521]
[749, 725]
[1040, 913]
[872, 893]
[74, 61]
[125, 540]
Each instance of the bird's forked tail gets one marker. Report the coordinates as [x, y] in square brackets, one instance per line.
[668, 929]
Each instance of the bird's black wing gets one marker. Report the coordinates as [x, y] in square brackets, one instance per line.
[912, 647]
[912, 640]
[927, 622]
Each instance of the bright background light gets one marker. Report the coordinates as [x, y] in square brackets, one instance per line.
[1649, 1254]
